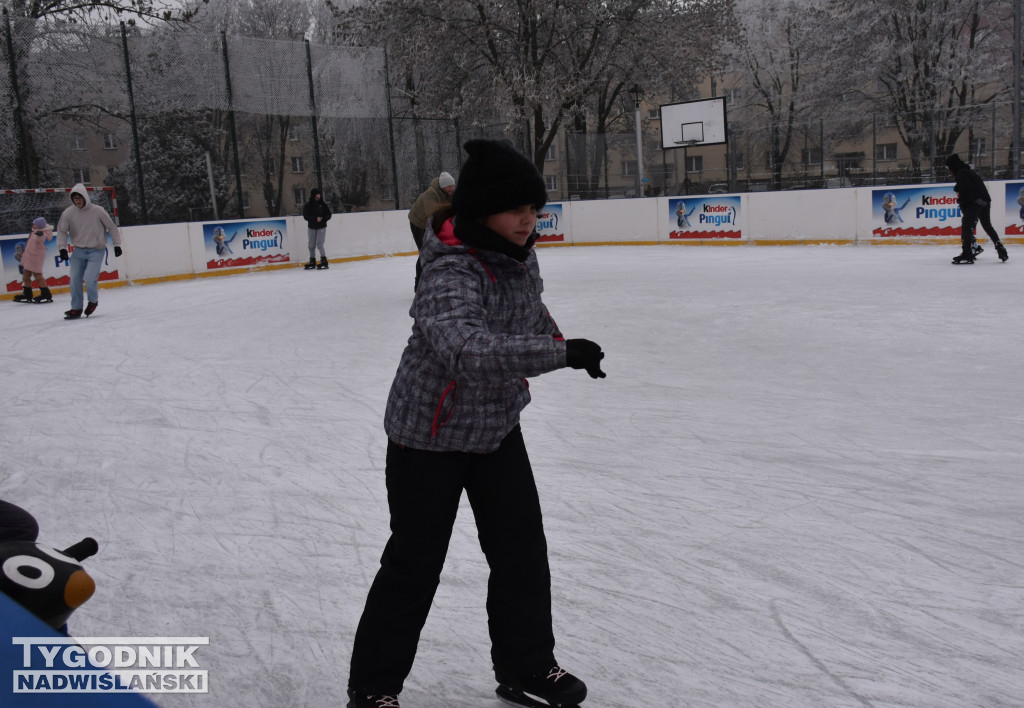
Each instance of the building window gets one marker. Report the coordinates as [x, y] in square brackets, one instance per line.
[737, 158]
[694, 163]
[109, 141]
[629, 168]
[810, 156]
[885, 151]
[849, 160]
[245, 200]
[82, 175]
[78, 142]
[294, 133]
[654, 114]
[551, 182]
[552, 154]
[300, 196]
[732, 95]
[297, 164]
[979, 147]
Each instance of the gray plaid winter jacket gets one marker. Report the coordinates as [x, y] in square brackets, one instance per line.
[480, 330]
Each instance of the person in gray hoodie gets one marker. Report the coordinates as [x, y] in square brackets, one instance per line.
[86, 225]
[480, 331]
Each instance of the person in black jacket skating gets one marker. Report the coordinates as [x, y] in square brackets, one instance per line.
[976, 205]
[317, 214]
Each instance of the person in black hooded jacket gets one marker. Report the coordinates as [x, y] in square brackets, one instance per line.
[975, 205]
[317, 214]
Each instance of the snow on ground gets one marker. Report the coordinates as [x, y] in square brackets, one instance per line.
[800, 485]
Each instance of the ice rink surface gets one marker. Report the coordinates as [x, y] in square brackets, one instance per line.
[800, 486]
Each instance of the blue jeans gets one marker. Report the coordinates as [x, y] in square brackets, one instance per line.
[86, 264]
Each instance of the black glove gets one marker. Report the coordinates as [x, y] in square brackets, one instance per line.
[117, 251]
[584, 354]
[64, 254]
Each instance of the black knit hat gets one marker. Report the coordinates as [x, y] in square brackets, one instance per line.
[954, 163]
[496, 178]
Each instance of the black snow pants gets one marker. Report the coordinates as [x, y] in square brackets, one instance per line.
[971, 216]
[424, 489]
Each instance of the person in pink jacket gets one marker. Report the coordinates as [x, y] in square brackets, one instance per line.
[32, 259]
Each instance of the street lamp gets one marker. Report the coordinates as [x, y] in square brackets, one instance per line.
[638, 94]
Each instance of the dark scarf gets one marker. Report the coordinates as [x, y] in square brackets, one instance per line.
[472, 233]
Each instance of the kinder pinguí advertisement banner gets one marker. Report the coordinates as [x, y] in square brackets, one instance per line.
[900, 212]
[56, 271]
[1014, 225]
[704, 218]
[240, 244]
[550, 224]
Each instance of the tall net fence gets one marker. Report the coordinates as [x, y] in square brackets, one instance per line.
[191, 127]
[195, 127]
[818, 153]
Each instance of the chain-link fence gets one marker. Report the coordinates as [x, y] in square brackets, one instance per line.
[193, 127]
[759, 157]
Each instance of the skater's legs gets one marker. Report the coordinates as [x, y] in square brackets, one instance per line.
[967, 224]
[92, 259]
[311, 242]
[77, 267]
[417, 236]
[321, 239]
[985, 216]
[504, 498]
[423, 496]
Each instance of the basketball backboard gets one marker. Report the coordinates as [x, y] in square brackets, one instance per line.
[693, 123]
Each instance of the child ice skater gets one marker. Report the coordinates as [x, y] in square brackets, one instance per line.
[32, 261]
[480, 331]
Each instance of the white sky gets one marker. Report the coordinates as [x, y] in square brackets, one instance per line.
[799, 486]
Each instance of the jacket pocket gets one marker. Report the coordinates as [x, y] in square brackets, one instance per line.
[445, 409]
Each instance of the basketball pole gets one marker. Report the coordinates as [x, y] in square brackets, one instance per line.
[638, 95]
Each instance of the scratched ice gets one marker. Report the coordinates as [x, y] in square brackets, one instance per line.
[801, 484]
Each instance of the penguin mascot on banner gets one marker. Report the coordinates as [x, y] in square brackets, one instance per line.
[50, 584]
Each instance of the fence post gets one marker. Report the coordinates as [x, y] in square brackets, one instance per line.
[458, 143]
[874, 149]
[1015, 151]
[993, 141]
[135, 127]
[21, 159]
[231, 123]
[821, 159]
[312, 113]
[391, 127]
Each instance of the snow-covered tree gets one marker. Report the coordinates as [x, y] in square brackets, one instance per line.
[532, 63]
[934, 65]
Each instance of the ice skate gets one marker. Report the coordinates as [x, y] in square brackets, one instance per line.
[555, 687]
[362, 700]
[26, 295]
[323, 264]
[976, 249]
[311, 265]
[963, 259]
[90, 308]
[43, 296]
[1001, 252]
[72, 314]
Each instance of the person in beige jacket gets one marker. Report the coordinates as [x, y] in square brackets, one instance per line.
[86, 225]
[437, 194]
